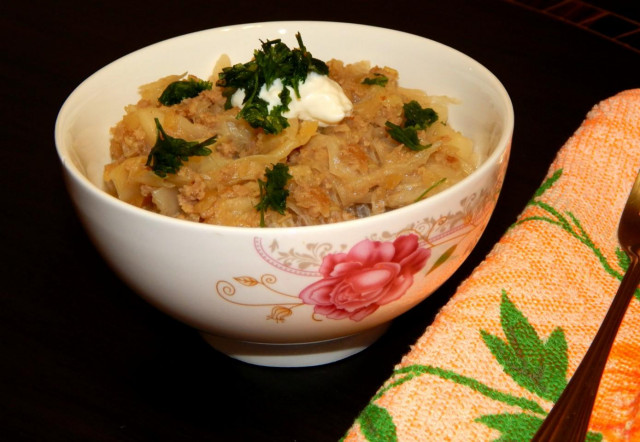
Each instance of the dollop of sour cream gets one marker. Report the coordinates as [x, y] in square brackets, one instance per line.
[321, 99]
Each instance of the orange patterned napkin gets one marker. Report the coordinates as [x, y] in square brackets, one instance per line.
[500, 352]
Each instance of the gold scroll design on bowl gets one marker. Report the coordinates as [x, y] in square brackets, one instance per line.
[462, 227]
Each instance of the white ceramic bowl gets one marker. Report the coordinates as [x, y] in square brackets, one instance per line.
[240, 287]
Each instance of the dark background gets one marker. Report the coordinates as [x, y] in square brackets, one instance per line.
[83, 358]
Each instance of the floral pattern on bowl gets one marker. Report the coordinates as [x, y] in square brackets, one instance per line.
[371, 274]
[356, 281]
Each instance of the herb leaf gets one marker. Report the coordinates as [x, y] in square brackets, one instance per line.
[376, 80]
[430, 188]
[168, 154]
[405, 135]
[273, 194]
[415, 118]
[275, 60]
[257, 114]
[179, 90]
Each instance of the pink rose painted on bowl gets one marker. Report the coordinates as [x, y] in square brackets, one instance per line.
[371, 274]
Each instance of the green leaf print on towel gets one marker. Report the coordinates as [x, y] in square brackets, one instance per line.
[535, 364]
[538, 366]
[572, 225]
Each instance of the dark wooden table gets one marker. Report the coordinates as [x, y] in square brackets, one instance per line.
[84, 358]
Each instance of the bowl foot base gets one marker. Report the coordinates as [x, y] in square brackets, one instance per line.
[296, 355]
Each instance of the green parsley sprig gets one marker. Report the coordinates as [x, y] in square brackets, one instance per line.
[168, 154]
[430, 188]
[415, 118]
[275, 60]
[273, 194]
[376, 80]
[182, 89]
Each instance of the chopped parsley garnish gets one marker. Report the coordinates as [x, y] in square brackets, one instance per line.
[273, 194]
[430, 188]
[376, 80]
[179, 90]
[275, 60]
[418, 117]
[415, 118]
[169, 153]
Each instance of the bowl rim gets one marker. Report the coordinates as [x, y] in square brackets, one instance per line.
[503, 144]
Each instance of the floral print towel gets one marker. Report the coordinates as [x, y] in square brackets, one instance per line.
[501, 351]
